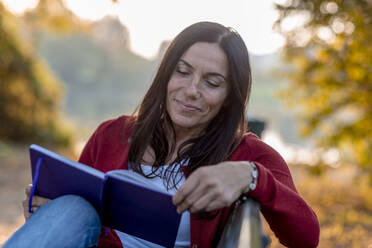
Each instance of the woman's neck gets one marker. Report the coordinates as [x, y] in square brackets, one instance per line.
[183, 134]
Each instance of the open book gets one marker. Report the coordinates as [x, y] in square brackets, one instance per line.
[123, 199]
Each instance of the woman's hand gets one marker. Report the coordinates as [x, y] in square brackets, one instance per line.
[37, 201]
[213, 187]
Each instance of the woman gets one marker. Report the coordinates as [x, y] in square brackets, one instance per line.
[190, 134]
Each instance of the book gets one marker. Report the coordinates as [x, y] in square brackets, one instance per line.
[124, 200]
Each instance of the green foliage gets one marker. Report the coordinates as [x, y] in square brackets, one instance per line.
[29, 92]
[330, 79]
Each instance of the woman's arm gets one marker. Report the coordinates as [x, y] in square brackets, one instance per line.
[213, 187]
[293, 221]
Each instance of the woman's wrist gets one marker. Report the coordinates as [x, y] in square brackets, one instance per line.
[254, 177]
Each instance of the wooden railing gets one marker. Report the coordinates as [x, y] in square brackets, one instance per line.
[243, 229]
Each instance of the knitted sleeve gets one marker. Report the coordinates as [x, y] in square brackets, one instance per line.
[289, 216]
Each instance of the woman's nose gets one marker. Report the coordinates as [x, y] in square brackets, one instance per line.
[193, 87]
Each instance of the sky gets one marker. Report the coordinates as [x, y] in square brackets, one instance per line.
[150, 22]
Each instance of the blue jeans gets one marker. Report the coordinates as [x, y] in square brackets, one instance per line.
[67, 221]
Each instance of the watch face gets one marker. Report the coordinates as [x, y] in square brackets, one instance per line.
[255, 174]
[252, 186]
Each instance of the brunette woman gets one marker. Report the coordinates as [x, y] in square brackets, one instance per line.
[188, 136]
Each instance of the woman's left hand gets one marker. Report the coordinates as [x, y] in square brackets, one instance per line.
[213, 187]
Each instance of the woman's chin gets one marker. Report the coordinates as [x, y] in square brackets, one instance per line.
[187, 123]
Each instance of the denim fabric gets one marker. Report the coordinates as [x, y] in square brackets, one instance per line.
[67, 221]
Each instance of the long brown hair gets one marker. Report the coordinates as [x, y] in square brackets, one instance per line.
[153, 127]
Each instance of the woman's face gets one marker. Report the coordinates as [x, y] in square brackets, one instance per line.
[198, 87]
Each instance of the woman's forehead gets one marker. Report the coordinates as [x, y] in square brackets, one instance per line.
[207, 56]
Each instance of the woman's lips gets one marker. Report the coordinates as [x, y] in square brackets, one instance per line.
[187, 107]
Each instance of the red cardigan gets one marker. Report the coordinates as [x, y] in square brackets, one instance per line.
[292, 220]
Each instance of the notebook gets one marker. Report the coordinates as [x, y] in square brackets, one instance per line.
[123, 199]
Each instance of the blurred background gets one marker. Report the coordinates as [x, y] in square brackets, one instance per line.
[67, 65]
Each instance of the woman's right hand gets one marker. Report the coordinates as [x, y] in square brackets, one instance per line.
[37, 201]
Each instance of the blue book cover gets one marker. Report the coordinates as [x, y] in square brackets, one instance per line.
[124, 199]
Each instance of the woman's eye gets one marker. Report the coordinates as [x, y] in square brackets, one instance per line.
[183, 72]
[212, 83]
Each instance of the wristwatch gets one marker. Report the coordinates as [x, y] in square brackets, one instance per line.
[254, 174]
[251, 186]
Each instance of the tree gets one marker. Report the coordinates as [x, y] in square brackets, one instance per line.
[29, 92]
[330, 53]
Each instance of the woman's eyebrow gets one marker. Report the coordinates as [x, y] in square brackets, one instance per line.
[209, 74]
[186, 63]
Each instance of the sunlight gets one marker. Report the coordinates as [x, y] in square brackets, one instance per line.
[163, 20]
[19, 6]
[95, 11]
[152, 22]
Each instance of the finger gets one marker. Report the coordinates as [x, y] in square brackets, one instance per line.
[37, 201]
[28, 189]
[192, 183]
[214, 205]
[190, 199]
[221, 201]
[26, 214]
[202, 203]
[206, 187]
[186, 189]
[25, 203]
[215, 198]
